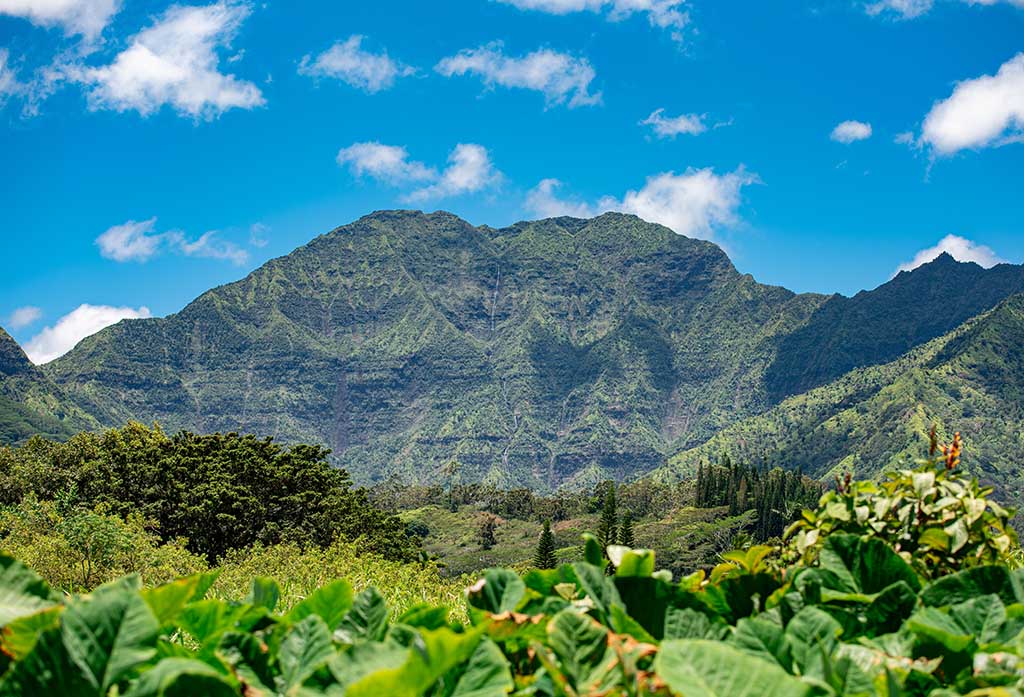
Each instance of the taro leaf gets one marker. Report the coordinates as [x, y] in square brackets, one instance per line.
[207, 620]
[248, 659]
[22, 591]
[597, 586]
[592, 552]
[168, 600]
[18, 637]
[546, 581]
[646, 600]
[305, 648]
[741, 595]
[702, 668]
[935, 626]
[687, 623]
[487, 674]
[865, 566]
[432, 655]
[500, 590]
[972, 583]
[182, 677]
[264, 593]
[982, 617]
[364, 659]
[367, 619]
[759, 636]
[424, 616]
[890, 608]
[586, 659]
[632, 562]
[622, 623]
[329, 603]
[110, 633]
[812, 635]
[47, 670]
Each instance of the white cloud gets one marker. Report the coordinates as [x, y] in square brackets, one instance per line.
[84, 17]
[560, 77]
[850, 131]
[469, 170]
[9, 84]
[131, 241]
[665, 14]
[909, 9]
[209, 246]
[175, 62]
[542, 201]
[348, 62]
[387, 163]
[957, 247]
[53, 342]
[985, 111]
[904, 138]
[671, 126]
[23, 317]
[696, 203]
[258, 235]
[137, 241]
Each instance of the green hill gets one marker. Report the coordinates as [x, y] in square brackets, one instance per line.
[550, 353]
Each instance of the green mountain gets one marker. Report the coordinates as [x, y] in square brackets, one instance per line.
[970, 380]
[30, 403]
[549, 353]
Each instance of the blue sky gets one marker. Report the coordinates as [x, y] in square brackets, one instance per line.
[151, 151]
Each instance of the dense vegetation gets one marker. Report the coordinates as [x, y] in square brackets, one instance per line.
[550, 353]
[207, 494]
[909, 587]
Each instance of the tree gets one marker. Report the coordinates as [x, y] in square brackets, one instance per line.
[626, 531]
[544, 557]
[488, 528]
[607, 529]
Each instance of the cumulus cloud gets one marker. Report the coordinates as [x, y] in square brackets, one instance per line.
[87, 18]
[985, 111]
[23, 317]
[53, 342]
[695, 203]
[671, 126]
[850, 131]
[138, 241]
[174, 62]
[469, 169]
[560, 77]
[387, 163]
[664, 14]
[348, 62]
[957, 247]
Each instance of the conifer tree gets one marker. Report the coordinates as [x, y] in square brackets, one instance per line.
[544, 557]
[626, 531]
[607, 529]
[487, 532]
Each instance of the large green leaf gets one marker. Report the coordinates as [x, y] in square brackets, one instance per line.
[761, 637]
[865, 566]
[702, 668]
[264, 593]
[110, 633]
[305, 648]
[168, 600]
[432, 655]
[18, 637]
[248, 658]
[366, 620]
[597, 586]
[330, 603]
[47, 670]
[500, 590]
[686, 623]
[812, 635]
[972, 583]
[22, 591]
[364, 659]
[182, 677]
[487, 674]
[585, 658]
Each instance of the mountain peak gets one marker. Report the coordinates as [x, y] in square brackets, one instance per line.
[13, 360]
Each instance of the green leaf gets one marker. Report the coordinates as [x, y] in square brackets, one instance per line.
[487, 675]
[18, 637]
[47, 670]
[631, 562]
[110, 633]
[500, 590]
[424, 616]
[22, 591]
[329, 603]
[581, 644]
[592, 552]
[365, 659]
[812, 635]
[933, 624]
[432, 655]
[702, 668]
[597, 586]
[367, 619]
[182, 677]
[248, 658]
[622, 623]
[167, 601]
[865, 566]
[264, 593]
[759, 636]
[305, 648]
[972, 583]
[686, 623]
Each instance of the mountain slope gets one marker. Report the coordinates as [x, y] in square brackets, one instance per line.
[31, 404]
[970, 380]
[548, 353]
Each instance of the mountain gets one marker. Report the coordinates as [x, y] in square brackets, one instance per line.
[30, 403]
[970, 380]
[548, 353]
